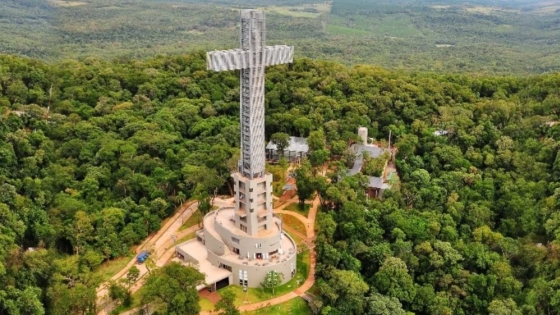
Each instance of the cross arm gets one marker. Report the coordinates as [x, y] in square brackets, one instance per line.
[237, 59]
[279, 54]
[223, 60]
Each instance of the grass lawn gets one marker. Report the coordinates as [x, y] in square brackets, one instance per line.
[186, 237]
[194, 219]
[294, 223]
[297, 208]
[299, 241]
[297, 306]
[205, 305]
[254, 295]
[111, 267]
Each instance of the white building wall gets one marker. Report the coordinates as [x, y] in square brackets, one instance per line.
[363, 134]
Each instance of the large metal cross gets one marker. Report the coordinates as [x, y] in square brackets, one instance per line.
[251, 59]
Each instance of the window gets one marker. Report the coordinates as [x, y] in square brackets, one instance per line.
[243, 277]
[225, 267]
[258, 245]
[250, 189]
[236, 250]
[243, 228]
[235, 240]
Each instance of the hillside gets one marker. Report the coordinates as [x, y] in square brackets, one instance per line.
[452, 36]
[97, 154]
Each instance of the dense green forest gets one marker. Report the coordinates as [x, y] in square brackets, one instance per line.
[452, 36]
[94, 154]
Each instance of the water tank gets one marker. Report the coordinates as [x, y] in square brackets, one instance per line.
[362, 133]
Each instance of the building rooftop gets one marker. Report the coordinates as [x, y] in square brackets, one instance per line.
[375, 182]
[373, 151]
[297, 144]
[197, 251]
[440, 133]
[288, 250]
[224, 216]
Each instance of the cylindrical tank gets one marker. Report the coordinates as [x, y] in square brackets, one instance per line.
[362, 133]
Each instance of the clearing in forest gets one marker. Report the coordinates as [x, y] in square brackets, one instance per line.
[313, 10]
[62, 3]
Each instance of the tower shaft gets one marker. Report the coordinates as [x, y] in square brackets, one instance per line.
[253, 187]
[253, 35]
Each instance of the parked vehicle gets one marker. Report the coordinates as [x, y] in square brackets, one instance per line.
[141, 258]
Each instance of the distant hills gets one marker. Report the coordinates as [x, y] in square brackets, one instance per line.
[454, 36]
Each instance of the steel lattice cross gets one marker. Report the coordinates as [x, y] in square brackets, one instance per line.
[251, 59]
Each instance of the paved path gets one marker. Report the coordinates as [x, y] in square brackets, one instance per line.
[166, 251]
[309, 221]
[154, 243]
[162, 245]
[311, 274]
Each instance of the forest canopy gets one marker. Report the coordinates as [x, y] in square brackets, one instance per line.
[95, 154]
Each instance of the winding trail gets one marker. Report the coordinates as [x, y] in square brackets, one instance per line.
[156, 243]
[162, 244]
[309, 222]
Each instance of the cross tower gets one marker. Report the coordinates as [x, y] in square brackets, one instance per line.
[253, 187]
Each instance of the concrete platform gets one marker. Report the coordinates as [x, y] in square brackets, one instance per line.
[196, 254]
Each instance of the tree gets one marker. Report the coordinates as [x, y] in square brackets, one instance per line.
[14, 301]
[79, 299]
[378, 304]
[318, 158]
[393, 280]
[132, 275]
[272, 280]
[316, 140]
[172, 289]
[72, 289]
[304, 182]
[119, 293]
[345, 291]
[82, 231]
[203, 181]
[226, 305]
[503, 307]
[281, 140]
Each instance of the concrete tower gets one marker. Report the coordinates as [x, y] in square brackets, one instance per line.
[245, 242]
[253, 187]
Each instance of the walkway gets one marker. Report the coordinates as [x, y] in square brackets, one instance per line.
[154, 243]
[162, 245]
[309, 221]
[310, 281]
